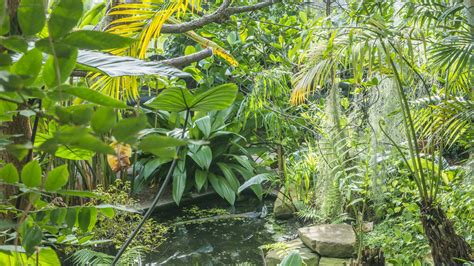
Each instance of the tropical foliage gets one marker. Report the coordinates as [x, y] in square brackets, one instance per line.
[356, 112]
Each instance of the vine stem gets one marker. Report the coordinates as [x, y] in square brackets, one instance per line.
[155, 201]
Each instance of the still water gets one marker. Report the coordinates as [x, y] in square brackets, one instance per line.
[229, 241]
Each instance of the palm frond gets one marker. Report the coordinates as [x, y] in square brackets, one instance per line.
[446, 120]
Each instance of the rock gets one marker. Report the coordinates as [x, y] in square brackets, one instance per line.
[329, 240]
[283, 209]
[274, 257]
[334, 262]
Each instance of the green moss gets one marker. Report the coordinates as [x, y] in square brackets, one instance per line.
[118, 228]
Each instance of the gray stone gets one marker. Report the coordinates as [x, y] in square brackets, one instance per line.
[283, 208]
[334, 262]
[329, 240]
[274, 257]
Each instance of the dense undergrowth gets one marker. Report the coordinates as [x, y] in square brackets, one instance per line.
[358, 113]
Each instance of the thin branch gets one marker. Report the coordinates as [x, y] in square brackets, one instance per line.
[188, 59]
[221, 14]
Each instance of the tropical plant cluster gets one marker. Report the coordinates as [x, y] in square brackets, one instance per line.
[355, 112]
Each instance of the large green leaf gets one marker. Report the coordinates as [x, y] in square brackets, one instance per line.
[92, 96]
[31, 16]
[172, 100]
[103, 120]
[14, 43]
[71, 217]
[87, 218]
[161, 146]
[200, 178]
[179, 181]
[57, 69]
[29, 65]
[96, 40]
[9, 174]
[292, 259]
[203, 157]
[256, 180]
[31, 174]
[229, 176]
[64, 17]
[46, 256]
[31, 239]
[217, 98]
[178, 99]
[204, 124]
[56, 178]
[65, 151]
[117, 66]
[127, 129]
[222, 188]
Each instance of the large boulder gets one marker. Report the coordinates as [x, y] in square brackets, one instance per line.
[334, 262]
[283, 207]
[275, 256]
[329, 240]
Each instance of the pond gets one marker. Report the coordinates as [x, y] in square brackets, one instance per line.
[222, 240]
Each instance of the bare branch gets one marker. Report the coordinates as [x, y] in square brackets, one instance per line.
[221, 14]
[186, 60]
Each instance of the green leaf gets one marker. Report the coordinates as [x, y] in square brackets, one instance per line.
[31, 174]
[57, 178]
[78, 193]
[117, 66]
[292, 259]
[203, 157]
[62, 66]
[71, 217]
[14, 43]
[230, 176]
[108, 212]
[87, 218]
[179, 181]
[32, 239]
[204, 124]
[256, 180]
[93, 15]
[57, 216]
[103, 120]
[217, 98]
[65, 151]
[92, 143]
[9, 174]
[29, 65]
[31, 16]
[161, 146]
[222, 188]
[45, 256]
[200, 178]
[5, 60]
[96, 40]
[172, 100]
[5, 23]
[127, 129]
[64, 17]
[92, 96]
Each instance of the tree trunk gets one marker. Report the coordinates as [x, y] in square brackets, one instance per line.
[19, 128]
[447, 248]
